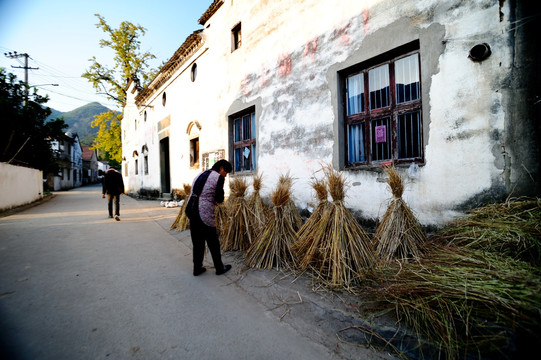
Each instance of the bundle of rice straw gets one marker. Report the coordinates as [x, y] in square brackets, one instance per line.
[303, 248]
[340, 251]
[260, 211]
[182, 222]
[273, 247]
[399, 236]
[237, 234]
[222, 219]
[291, 212]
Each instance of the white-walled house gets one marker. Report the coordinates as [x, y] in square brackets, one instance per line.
[69, 158]
[443, 89]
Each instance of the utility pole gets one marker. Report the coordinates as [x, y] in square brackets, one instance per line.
[16, 55]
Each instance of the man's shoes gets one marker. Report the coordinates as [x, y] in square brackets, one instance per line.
[117, 218]
[110, 216]
[224, 270]
[199, 271]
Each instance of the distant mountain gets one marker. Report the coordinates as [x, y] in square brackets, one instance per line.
[79, 120]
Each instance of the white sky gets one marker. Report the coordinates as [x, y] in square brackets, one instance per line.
[60, 36]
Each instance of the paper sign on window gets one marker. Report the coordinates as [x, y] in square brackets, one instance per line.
[381, 134]
[246, 152]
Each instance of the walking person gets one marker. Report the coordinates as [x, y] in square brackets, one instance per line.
[113, 186]
[207, 191]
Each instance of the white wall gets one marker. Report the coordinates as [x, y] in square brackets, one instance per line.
[19, 186]
[288, 68]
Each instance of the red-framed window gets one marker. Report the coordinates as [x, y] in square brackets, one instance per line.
[383, 117]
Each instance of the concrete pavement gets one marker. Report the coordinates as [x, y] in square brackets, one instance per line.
[75, 284]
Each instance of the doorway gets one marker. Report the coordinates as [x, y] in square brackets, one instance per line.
[165, 166]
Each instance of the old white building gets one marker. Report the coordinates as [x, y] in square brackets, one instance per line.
[440, 88]
[69, 159]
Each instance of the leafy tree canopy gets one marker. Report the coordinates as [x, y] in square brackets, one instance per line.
[26, 136]
[129, 62]
[110, 142]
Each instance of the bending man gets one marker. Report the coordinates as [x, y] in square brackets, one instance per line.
[207, 191]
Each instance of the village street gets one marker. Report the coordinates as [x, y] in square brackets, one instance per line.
[75, 284]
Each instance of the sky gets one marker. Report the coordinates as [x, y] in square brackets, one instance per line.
[60, 36]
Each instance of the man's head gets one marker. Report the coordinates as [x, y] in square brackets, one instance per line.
[223, 167]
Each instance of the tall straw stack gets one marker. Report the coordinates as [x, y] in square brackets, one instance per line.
[182, 222]
[260, 212]
[237, 234]
[306, 248]
[399, 236]
[291, 212]
[347, 255]
[273, 247]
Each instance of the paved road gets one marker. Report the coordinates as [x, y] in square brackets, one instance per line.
[75, 284]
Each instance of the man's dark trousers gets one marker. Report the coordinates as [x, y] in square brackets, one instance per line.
[116, 199]
[201, 233]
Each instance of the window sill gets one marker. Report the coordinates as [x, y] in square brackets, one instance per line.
[378, 168]
[244, 173]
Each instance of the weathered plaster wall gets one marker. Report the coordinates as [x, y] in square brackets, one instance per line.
[300, 123]
[288, 67]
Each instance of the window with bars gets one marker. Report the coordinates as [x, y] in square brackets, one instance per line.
[244, 142]
[383, 119]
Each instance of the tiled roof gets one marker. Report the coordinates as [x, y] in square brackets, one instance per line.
[87, 152]
[210, 11]
[188, 48]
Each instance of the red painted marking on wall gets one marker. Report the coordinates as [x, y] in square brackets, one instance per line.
[263, 79]
[284, 64]
[310, 49]
[366, 16]
[244, 84]
[342, 34]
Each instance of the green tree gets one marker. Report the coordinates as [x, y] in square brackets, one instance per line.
[108, 124]
[26, 136]
[129, 62]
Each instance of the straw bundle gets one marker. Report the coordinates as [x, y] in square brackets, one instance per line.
[273, 247]
[182, 222]
[237, 234]
[340, 251]
[470, 292]
[304, 248]
[291, 212]
[464, 300]
[260, 212]
[512, 228]
[399, 235]
[222, 219]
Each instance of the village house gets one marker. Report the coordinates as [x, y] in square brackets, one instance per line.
[443, 89]
[90, 165]
[69, 158]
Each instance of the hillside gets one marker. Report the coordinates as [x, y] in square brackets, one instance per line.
[79, 120]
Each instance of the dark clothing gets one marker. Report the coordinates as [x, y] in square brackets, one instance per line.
[116, 200]
[113, 186]
[112, 183]
[207, 189]
[201, 233]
